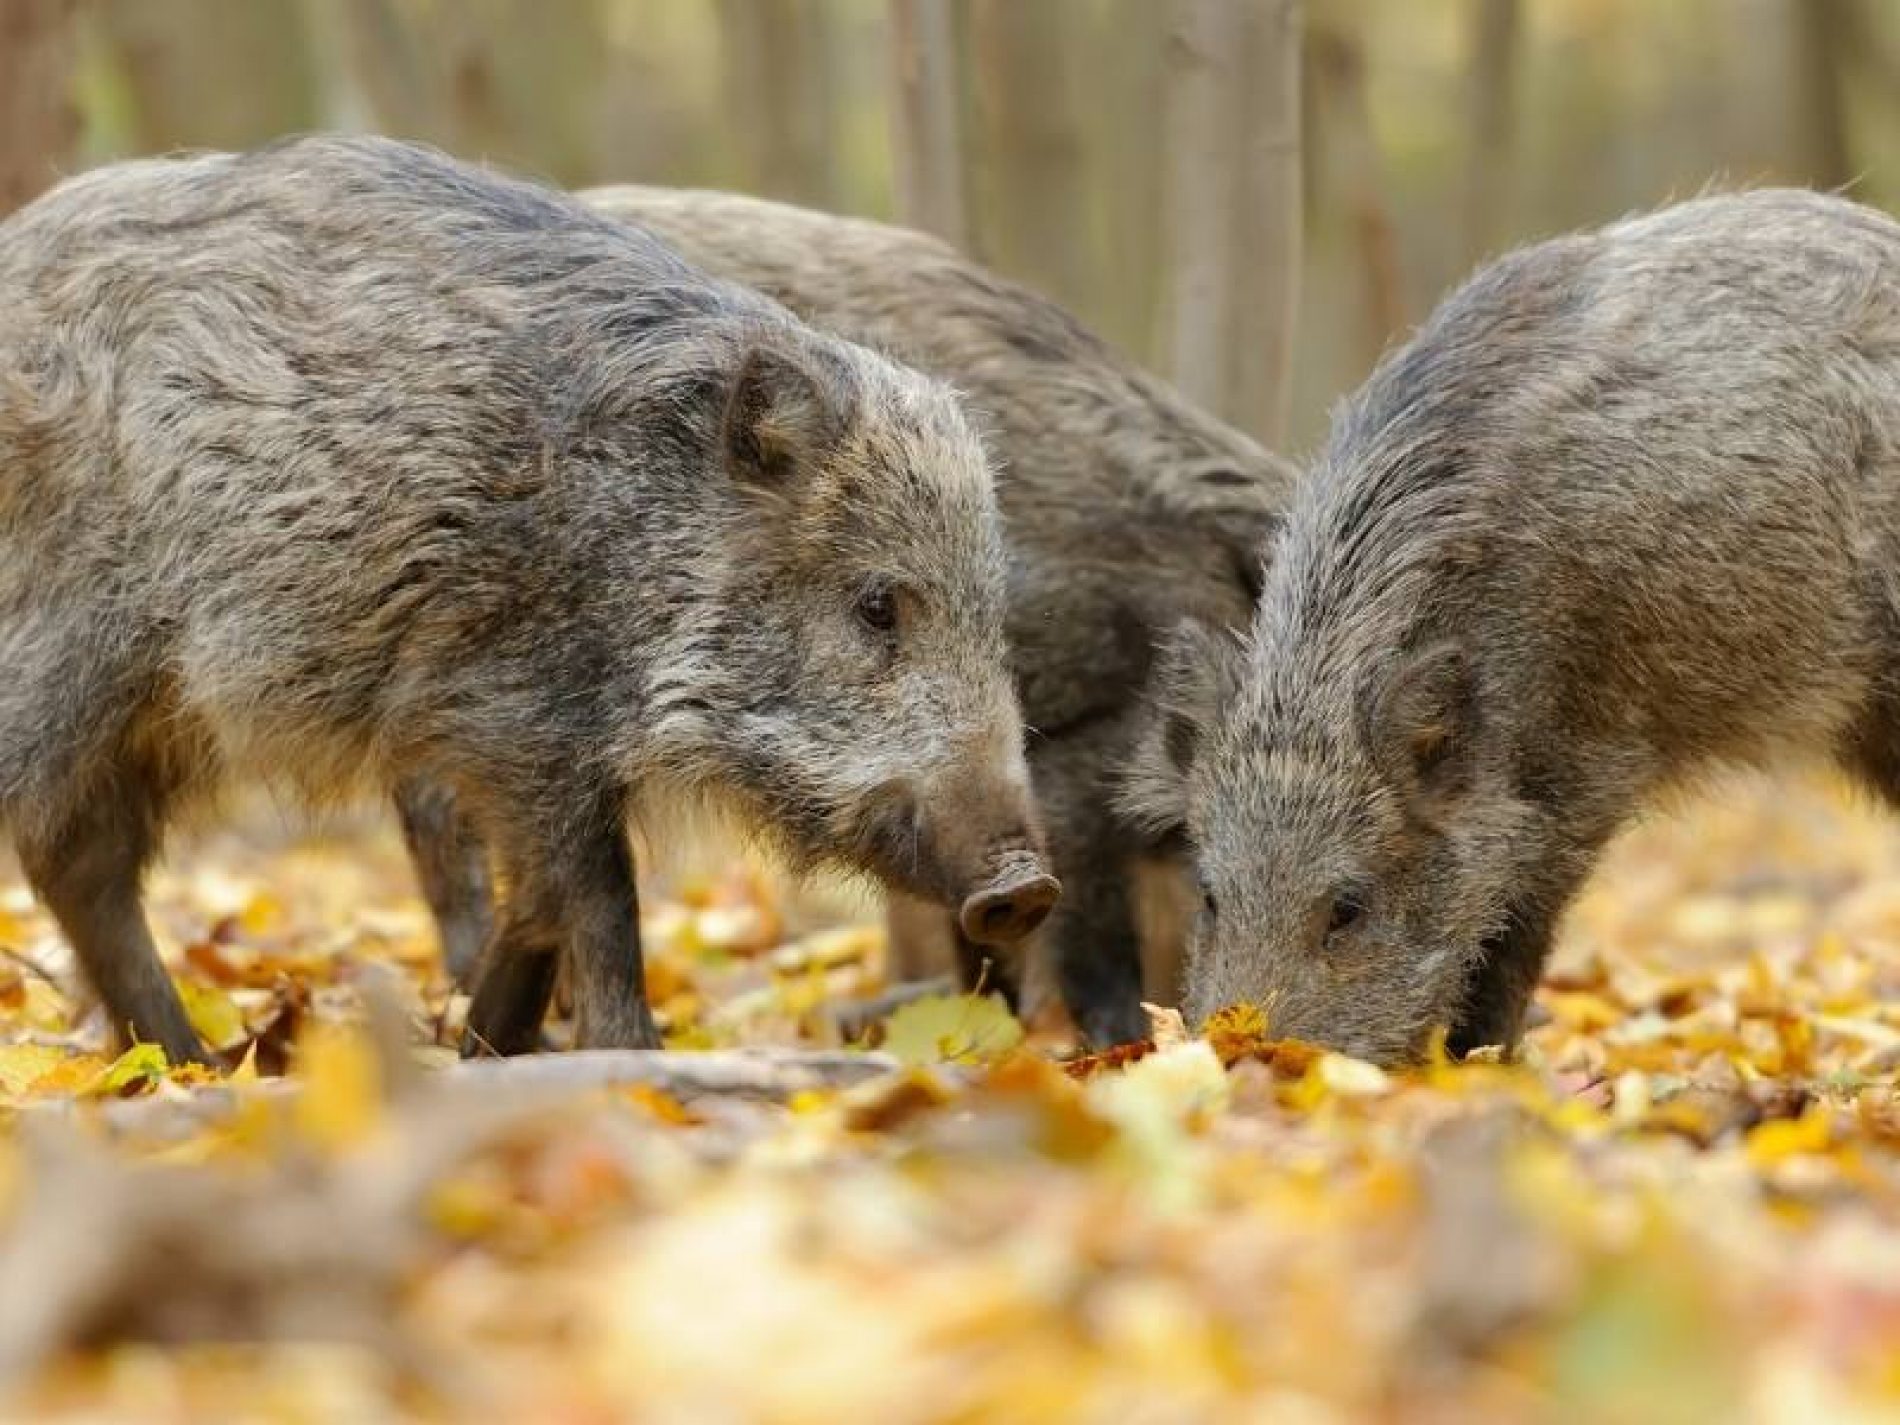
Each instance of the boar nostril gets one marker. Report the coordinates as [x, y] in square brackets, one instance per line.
[1004, 914]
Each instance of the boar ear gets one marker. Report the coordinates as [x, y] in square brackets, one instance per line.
[1196, 673]
[1420, 722]
[785, 412]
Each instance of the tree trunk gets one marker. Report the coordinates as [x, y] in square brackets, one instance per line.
[926, 107]
[1032, 219]
[487, 79]
[779, 89]
[650, 114]
[39, 126]
[1198, 115]
[1131, 45]
[221, 74]
[1817, 53]
[1495, 25]
[379, 67]
[1231, 133]
[1336, 65]
[1265, 252]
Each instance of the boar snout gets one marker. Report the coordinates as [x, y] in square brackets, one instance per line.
[972, 843]
[1012, 903]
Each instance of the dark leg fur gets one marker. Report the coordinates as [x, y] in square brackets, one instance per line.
[452, 867]
[1502, 989]
[571, 892]
[87, 872]
[1097, 948]
[512, 990]
[606, 969]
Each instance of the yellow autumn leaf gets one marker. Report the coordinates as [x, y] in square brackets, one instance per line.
[1236, 1030]
[1352, 1078]
[1159, 1106]
[263, 914]
[1782, 1138]
[952, 1029]
[1165, 1025]
[341, 1100]
[141, 1064]
[214, 1014]
[1579, 1009]
[22, 1065]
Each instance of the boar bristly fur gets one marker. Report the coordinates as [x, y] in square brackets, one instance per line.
[344, 464]
[1126, 511]
[1623, 511]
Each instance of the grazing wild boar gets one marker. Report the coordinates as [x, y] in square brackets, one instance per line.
[342, 462]
[1625, 509]
[1125, 509]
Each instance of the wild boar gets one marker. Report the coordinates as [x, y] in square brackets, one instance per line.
[1126, 511]
[1627, 508]
[345, 463]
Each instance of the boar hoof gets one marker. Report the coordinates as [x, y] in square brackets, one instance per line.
[1004, 912]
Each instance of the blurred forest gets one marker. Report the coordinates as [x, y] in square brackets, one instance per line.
[1136, 159]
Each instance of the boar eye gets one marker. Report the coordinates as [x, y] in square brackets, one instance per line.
[877, 607]
[1207, 896]
[1347, 910]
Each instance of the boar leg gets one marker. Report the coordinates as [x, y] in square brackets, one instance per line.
[605, 967]
[86, 870]
[512, 986]
[579, 900]
[1097, 948]
[452, 869]
[1502, 987]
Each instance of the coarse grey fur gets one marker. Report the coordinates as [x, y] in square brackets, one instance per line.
[1624, 510]
[1126, 511]
[345, 463]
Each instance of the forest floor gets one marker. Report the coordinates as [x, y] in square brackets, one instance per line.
[1683, 1205]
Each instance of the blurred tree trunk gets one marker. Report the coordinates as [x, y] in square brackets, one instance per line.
[1817, 52]
[652, 126]
[1132, 41]
[1199, 109]
[779, 88]
[486, 79]
[926, 107]
[382, 69]
[1031, 218]
[39, 125]
[1492, 118]
[208, 73]
[1231, 123]
[1266, 249]
[1354, 177]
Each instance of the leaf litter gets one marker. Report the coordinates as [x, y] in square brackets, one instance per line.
[1682, 1203]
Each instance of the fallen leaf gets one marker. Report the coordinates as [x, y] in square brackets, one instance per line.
[952, 1029]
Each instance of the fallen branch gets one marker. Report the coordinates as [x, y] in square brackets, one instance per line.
[768, 1075]
[772, 1074]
